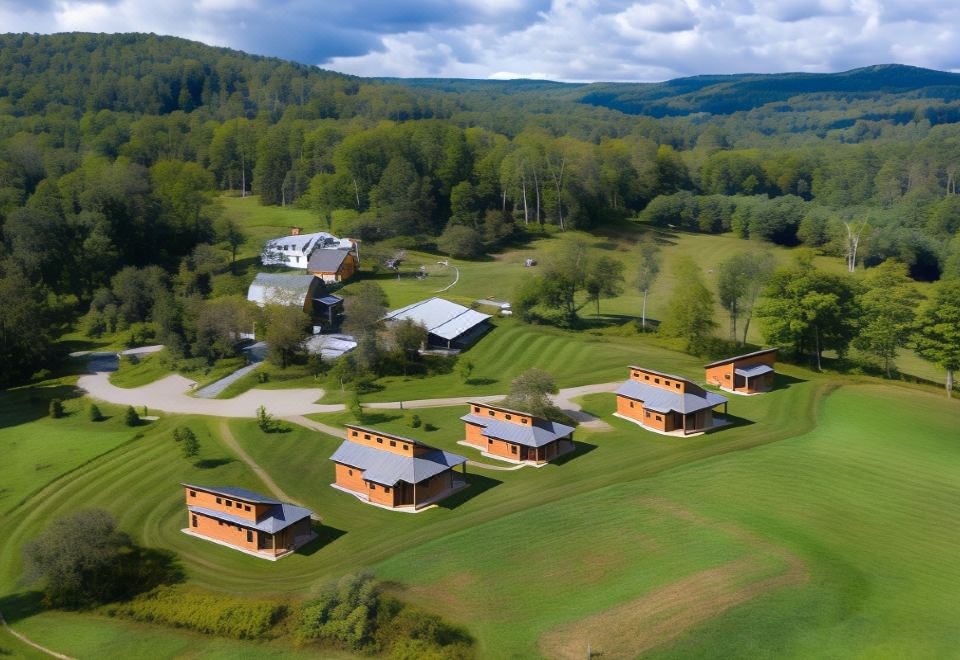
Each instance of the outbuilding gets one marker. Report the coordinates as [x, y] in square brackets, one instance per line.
[449, 325]
[515, 436]
[332, 265]
[667, 404]
[751, 373]
[307, 292]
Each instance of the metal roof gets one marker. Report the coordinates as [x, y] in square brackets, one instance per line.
[753, 370]
[387, 468]
[282, 515]
[279, 288]
[538, 435]
[235, 493]
[740, 357]
[660, 400]
[327, 260]
[330, 300]
[440, 317]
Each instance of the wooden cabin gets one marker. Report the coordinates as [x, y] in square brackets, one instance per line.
[745, 374]
[514, 436]
[332, 265]
[667, 404]
[395, 472]
[247, 521]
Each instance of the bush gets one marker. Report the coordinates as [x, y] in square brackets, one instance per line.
[202, 611]
[93, 412]
[461, 242]
[268, 424]
[415, 421]
[130, 417]
[189, 444]
[56, 408]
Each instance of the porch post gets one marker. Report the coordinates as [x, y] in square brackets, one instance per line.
[683, 424]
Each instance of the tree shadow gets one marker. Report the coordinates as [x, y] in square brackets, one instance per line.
[580, 448]
[211, 463]
[481, 381]
[325, 536]
[478, 484]
[30, 404]
[784, 381]
[19, 606]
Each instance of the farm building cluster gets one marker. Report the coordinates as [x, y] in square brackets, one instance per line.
[398, 473]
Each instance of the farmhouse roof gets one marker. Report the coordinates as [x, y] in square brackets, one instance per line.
[753, 370]
[440, 317]
[387, 468]
[327, 260]
[740, 357]
[305, 243]
[664, 401]
[235, 493]
[281, 516]
[280, 288]
[541, 433]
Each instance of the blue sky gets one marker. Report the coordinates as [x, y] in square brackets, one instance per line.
[557, 39]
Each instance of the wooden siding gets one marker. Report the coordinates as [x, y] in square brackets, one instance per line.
[235, 535]
[723, 375]
[382, 441]
[239, 508]
[501, 415]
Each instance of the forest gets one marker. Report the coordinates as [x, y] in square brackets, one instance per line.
[115, 148]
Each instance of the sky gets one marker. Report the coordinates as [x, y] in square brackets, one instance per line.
[568, 40]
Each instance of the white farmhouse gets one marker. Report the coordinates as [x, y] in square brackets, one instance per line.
[294, 251]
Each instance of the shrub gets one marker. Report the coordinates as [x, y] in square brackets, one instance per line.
[56, 408]
[189, 444]
[415, 421]
[130, 417]
[268, 424]
[206, 612]
[94, 413]
[353, 405]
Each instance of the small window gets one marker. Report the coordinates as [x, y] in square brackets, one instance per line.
[513, 449]
[667, 383]
[631, 404]
[523, 420]
[509, 417]
[355, 434]
[350, 472]
[476, 409]
[220, 523]
[406, 446]
[678, 386]
[659, 418]
[393, 443]
[366, 436]
[491, 413]
[646, 376]
[229, 503]
[193, 493]
[647, 413]
[249, 536]
[489, 441]
[219, 501]
[726, 376]
[373, 486]
[194, 521]
[380, 440]
[246, 507]
[386, 489]
[656, 380]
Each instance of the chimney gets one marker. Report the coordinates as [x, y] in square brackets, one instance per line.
[295, 231]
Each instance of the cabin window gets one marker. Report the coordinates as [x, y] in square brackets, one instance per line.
[350, 472]
[406, 446]
[491, 413]
[726, 376]
[380, 440]
[386, 489]
[220, 523]
[246, 507]
[355, 434]
[229, 503]
[373, 486]
[513, 449]
[193, 493]
[647, 414]
[476, 409]
[509, 417]
[523, 420]
[631, 404]
[193, 521]
[656, 380]
[249, 536]
[393, 443]
[489, 441]
[678, 386]
[646, 376]
[366, 436]
[667, 383]
[218, 501]
[659, 418]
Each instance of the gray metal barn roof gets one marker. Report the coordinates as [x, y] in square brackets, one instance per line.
[235, 493]
[538, 435]
[326, 260]
[279, 288]
[660, 400]
[387, 468]
[753, 370]
[281, 516]
[440, 317]
[741, 357]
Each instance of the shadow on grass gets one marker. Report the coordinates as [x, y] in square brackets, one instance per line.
[732, 422]
[481, 381]
[325, 536]
[31, 403]
[580, 448]
[479, 484]
[211, 463]
[16, 607]
[785, 382]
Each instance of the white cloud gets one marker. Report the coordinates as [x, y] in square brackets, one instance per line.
[557, 39]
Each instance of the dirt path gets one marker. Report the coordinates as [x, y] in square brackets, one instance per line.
[231, 442]
[28, 642]
[660, 616]
[316, 426]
